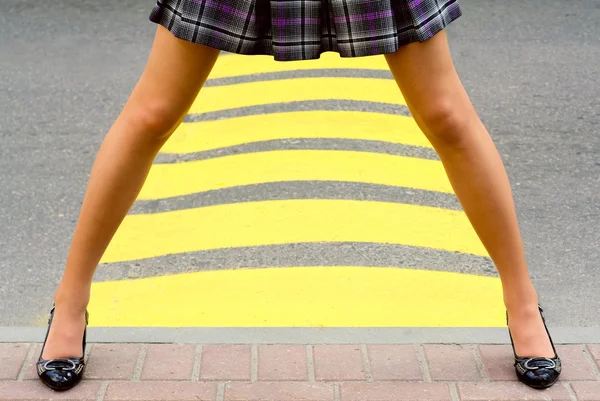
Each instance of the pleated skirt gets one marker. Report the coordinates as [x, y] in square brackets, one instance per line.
[303, 29]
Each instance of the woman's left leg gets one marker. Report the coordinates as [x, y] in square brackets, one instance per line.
[426, 76]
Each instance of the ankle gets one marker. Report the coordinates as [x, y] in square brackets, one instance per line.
[527, 310]
[525, 303]
[71, 299]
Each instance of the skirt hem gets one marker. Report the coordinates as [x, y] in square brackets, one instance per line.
[402, 38]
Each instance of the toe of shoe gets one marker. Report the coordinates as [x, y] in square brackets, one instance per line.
[540, 378]
[60, 380]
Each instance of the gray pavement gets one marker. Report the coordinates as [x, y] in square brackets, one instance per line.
[303, 335]
[531, 68]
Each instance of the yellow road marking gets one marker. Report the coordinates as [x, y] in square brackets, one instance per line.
[207, 135]
[301, 297]
[214, 98]
[296, 296]
[233, 65]
[168, 180]
[291, 221]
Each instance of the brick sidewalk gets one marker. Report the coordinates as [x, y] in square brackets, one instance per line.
[300, 372]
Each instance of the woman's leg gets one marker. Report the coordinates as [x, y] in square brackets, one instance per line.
[175, 72]
[441, 107]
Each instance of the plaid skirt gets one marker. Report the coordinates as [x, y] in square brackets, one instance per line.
[303, 29]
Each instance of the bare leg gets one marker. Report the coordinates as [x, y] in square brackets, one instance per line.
[441, 107]
[175, 72]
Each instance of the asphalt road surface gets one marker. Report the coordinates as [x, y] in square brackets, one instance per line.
[333, 202]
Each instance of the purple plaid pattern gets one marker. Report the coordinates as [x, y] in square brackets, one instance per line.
[303, 29]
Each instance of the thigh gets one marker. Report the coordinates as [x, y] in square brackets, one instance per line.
[429, 82]
[175, 71]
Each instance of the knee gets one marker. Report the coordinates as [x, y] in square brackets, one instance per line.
[445, 123]
[155, 120]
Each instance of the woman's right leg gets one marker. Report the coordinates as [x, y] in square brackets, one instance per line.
[175, 72]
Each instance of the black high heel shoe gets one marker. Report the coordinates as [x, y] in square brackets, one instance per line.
[63, 373]
[537, 372]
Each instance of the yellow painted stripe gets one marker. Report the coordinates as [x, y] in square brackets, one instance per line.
[214, 98]
[234, 65]
[291, 221]
[168, 180]
[301, 297]
[207, 135]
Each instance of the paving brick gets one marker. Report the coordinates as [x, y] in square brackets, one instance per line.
[161, 390]
[587, 391]
[451, 362]
[338, 362]
[225, 362]
[282, 362]
[279, 391]
[595, 351]
[575, 363]
[30, 371]
[12, 357]
[394, 362]
[112, 361]
[394, 391]
[33, 390]
[510, 391]
[169, 362]
[498, 362]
